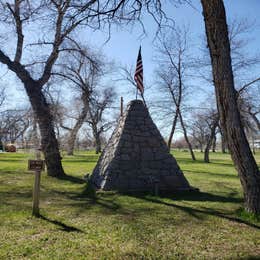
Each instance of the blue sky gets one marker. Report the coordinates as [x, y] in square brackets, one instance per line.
[124, 43]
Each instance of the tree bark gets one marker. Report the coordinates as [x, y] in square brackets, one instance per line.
[186, 137]
[219, 46]
[201, 147]
[210, 140]
[96, 135]
[74, 131]
[253, 144]
[214, 143]
[257, 122]
[98, 144]
[49, 143]
[223, 143]
[41, 109]
[71, 141]
[172, 129]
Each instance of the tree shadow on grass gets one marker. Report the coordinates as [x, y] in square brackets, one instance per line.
[104, 200]
[88, 197]
[203, 210]
[184, 160]
[214, 174]
[62, 226]
[104, 206]
[73, 179]
[12, 194]
[201, 196]
[189, 196]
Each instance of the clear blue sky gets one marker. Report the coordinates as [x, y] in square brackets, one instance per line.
[124, 43]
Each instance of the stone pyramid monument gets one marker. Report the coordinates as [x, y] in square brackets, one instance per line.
[136, 157]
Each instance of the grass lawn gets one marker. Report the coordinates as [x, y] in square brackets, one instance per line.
[204, 225]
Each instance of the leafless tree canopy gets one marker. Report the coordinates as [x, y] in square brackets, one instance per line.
[2, 96]
[13, 125]
[174, 64]
[45, 31]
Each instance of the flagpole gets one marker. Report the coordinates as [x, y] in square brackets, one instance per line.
[136, 93]
[142, 95]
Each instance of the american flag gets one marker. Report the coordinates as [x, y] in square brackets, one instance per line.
[139, 73]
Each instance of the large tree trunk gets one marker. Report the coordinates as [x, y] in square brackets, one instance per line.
[218, 42]
[49, 143]
[172, 129]
[41, 110]
[186, 137]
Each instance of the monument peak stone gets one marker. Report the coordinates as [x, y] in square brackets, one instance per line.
[136, 157]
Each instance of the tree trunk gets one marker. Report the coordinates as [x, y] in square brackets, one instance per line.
[219, 46]
[256, 120]
[206, 154]
[172, 130]
[186, 137]
[201, 147]
[73, 133]
[253, 144]
[214, 143]
[97, 143]
[210, 140]
[96, 134]
[223, 143]
[49, 143]
[71, 142]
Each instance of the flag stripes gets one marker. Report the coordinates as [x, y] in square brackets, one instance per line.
[139, 73]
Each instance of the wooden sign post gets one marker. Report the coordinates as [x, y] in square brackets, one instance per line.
[37, 166]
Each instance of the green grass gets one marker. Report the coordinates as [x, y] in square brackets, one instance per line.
[201, 225]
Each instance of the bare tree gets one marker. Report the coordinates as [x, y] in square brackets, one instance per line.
[243, 65]
[198, 130]
[249, 106]
[226, 95]
[14, 124]
[204, 128]
[96, 120]
[35, 54]
[211, 120]
[174, 64]
[83, 72]
[2, 96]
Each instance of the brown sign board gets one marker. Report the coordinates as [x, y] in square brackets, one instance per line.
[36, 165]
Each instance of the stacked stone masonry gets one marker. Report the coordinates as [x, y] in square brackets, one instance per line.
[136, 157]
